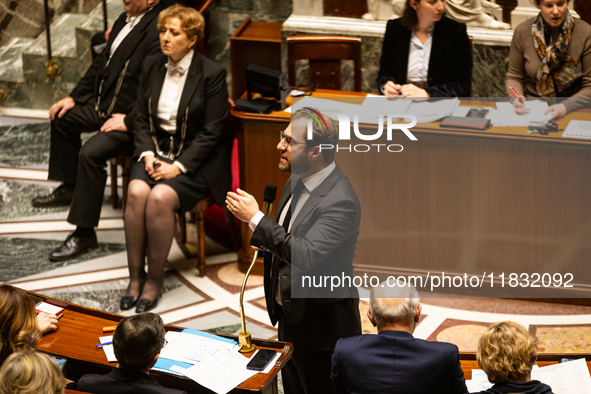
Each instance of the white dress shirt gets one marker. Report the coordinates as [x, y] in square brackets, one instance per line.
[130, 23]
[310, 183]
[170, 97]
[418, 59]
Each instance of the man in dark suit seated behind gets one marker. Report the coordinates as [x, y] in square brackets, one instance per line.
[394, 361]
[137, 342]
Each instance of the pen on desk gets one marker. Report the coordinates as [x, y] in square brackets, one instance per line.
[109, 328]
[59, 316]
[104, 344]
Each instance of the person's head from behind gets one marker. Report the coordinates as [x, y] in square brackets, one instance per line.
[394, 308]
[507, 353]
[137, 341]
[180, 29]
[302, 155]
[31, 372]
[422, 13]
[18, 321]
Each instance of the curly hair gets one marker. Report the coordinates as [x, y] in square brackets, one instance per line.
[192, 21]
[18, 322]
[31, 372]
[507, 352]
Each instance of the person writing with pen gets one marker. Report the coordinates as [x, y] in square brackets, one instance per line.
[425, 54]
[550, 57]
[180, 146]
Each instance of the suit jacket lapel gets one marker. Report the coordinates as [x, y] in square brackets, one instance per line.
[191, 84]
[123, 51]
[402, 56]
[437, 46]
[321, 191]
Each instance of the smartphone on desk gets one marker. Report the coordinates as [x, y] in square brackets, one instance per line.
[260, 360]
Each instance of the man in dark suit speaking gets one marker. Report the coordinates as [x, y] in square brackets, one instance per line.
[394, 361]
[102, 100]
[314, 235]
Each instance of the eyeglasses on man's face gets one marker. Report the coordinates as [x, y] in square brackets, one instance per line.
[287, 141]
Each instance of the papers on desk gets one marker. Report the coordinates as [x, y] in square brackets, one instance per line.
[578, 129]
[210, 360]
[193, 346]
[108, 349]
[565, 378]
[373, 107]
[223, 371]
[432, 111]
[505, 114]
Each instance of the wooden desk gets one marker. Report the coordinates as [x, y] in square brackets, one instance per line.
[458, 201]
[78, 332]
[468, 361]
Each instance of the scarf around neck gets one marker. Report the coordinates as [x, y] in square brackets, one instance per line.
[558, 70]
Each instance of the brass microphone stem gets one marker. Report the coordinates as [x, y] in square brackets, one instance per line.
[244, 339]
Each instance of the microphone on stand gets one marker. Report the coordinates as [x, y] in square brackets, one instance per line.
[244, 339]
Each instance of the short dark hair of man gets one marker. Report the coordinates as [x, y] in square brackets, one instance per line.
[137, 340]
[324, 131]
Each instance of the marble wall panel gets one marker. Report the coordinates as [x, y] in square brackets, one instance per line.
[490, 68]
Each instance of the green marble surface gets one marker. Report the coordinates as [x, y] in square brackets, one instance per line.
[24, 145]
[20, 257]
[15, 199]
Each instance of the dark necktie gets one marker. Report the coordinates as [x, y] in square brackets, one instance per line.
[295, 195]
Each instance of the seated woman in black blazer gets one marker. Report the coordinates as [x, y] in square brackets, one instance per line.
[425, 54]
[181, 110]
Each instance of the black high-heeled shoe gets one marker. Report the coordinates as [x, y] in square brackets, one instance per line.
[146, 305]
[128, 302]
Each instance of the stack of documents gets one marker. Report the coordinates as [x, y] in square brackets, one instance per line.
[210, 360]
[565, 378]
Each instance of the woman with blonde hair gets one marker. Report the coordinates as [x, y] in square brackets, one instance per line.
[507, 353]
[20, 327]
[180, 149]
[31, 372]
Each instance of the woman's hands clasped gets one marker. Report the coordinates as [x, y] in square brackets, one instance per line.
[160, 170]
[409, 90]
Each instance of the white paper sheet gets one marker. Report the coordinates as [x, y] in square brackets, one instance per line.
[190, 348]
[578, 129]
[432, 111]
[221, 372]
[565, 378]
[506, 115]
[108, 349]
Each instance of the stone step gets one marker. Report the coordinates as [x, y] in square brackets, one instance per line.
[63, 46]
[11, 73]
[11, 62]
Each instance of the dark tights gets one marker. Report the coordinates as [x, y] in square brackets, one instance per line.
[149, 223]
